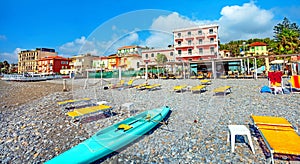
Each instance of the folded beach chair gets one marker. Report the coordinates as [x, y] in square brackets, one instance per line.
[275, 81]
[198, 88]
[223, 89]
[179, 88]
[76, 113]
[67, 102]
[295, 83]
[278, 134]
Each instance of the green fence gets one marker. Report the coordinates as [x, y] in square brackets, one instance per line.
[115, 74]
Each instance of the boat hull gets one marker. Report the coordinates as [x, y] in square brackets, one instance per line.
[112, 138]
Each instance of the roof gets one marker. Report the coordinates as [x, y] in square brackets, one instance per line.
[127, 47]
[254, 44]
[53, 57]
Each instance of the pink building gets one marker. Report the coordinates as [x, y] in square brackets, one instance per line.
[196, 43]
[149, 56]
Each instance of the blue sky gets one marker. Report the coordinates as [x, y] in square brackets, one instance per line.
[100, 27]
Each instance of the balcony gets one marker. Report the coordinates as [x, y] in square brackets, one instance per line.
[199, 44]
[76, 64]
[212, 34]
[184, 45]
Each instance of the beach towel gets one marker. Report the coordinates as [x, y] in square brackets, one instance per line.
[295, 81]
[265, 89]
[275, 78]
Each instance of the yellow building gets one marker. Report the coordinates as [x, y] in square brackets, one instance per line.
[257, 49]
[130, 57]
[28, 59]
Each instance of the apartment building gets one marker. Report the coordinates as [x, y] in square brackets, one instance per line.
[100, 62]
[28, 59]
[81, 63]
[53, 64]
[113, 62]
[149, 56]
[196, 43]
[130, 57]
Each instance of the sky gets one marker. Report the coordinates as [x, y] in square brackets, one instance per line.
[101, 27]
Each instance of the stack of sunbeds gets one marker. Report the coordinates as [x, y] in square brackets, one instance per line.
[280, 137]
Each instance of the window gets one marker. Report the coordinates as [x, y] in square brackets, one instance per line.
[152, 55]
[189, 42]
[179, 52]
[179, 34]
[190, 51]
[146, 56]
[200, 41]
[200, 32]
[179, 43]
[212, 50]
[189, 33]
[200, 51]
[171, 53]
[211, 31]
[212, 40]
[137, 64]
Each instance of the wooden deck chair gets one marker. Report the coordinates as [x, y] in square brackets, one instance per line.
[295, 84]
[179, 88]
[278, 134]
[67, 102]
[76, 113]
[223, 89]
[198, 88]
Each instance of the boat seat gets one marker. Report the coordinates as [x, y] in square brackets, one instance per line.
[124, 126]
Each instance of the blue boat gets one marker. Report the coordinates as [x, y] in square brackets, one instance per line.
[113, 138]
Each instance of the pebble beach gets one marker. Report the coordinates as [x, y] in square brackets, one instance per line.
[34, 128]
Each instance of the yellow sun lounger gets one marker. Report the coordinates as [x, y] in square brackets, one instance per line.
[72, 101]
[223, 89]
[88, 110]
[278, 134]
[179, 88]
[205, 82]
[198, 88]
[153, 86]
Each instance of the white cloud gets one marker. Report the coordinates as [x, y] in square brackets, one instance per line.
[10, 57]
[112, 46]
[3, 37]
[162, 27]
[95, 47]
[245, 22]
[236, 23]
[78, 46]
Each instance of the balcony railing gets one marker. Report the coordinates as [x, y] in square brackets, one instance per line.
[184, 45]
[204, 53]
[206, 43]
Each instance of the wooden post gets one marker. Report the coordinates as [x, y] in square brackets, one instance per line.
[65, 85]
